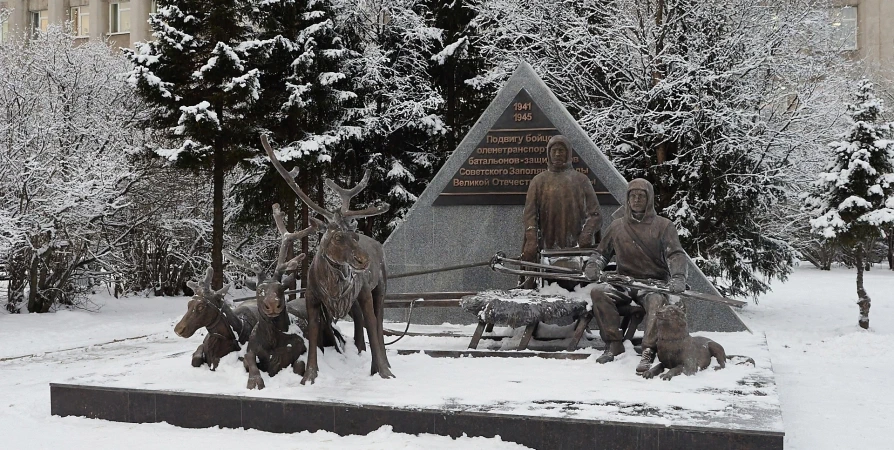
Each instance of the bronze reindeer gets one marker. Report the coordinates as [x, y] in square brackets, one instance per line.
[347, 275]
[271, 347]
[226, 328]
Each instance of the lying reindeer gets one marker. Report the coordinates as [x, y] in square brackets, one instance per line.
[347, 275]
[208, 309]
[271, 347]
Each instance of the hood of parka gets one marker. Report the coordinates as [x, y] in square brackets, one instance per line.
[553, 141]
[641, 185]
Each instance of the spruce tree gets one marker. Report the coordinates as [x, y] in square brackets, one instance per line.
[700, 138]
[392, 43]
[302, 105]
[201, 91]
[856, 193]
[457, 60]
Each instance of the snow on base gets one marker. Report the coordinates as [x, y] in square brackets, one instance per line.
[739, 397]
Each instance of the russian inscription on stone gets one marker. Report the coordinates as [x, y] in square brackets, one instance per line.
[512, 152]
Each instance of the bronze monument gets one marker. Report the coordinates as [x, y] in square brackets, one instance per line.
[561, 208]
[347, 274]
[226, 328]
[646, 246]
[678, 352]
[271, 347]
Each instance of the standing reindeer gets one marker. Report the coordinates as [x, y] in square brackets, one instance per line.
[347, 274]
[208, 309]
[271, 347]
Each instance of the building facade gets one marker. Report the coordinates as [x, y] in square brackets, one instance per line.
[867, 30]
[123, 22]
[866, 27]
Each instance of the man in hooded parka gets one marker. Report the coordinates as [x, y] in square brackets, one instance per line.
[644, 245]
[561, 208]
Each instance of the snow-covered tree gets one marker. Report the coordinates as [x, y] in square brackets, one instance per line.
[457, 60]
[201, 91]
[301, 107]
[170, 240]
[856, 197]
[711, 100]
[397, 105]
[66, 128]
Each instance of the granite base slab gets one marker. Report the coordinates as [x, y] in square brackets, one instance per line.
[191, 410]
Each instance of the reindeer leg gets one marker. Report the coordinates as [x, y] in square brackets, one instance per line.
[296, 348]
[287, 355]
[376, 343]
[672, 373]
[654, 371]
[278, 358]
[198, 356]
[719, 353]
[357, 317]
[378, 295]
[255, 381]
[313, 333]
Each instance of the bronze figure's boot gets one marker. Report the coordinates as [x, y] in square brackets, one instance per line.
[645, 363]
[613, 349]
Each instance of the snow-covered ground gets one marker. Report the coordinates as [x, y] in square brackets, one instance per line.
[831, 376]
[834, 378]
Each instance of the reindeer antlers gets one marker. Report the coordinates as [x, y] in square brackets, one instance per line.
[290, 179]
[256, 268]
[345, 194]
[283, 266]
[204, 289]
[281, 226]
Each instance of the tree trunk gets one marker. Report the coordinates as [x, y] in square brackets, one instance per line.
[890, 241]
[217, 225]
[17, 269]
[864, 301]
[451, 118]
[33, 305]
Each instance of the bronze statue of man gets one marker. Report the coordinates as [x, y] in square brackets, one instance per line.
[644, 245]
[561, 208]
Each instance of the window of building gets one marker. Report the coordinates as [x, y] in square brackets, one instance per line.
[40, 20]
[119, 17]
[153, 7]
[80, 21]
[844, 20]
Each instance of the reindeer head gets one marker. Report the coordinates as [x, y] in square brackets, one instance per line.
[270, 292]
[204, 309]
[340, 245]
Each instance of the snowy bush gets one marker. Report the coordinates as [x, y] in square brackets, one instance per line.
[65, 134]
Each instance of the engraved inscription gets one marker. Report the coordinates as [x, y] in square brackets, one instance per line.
[510, 155]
